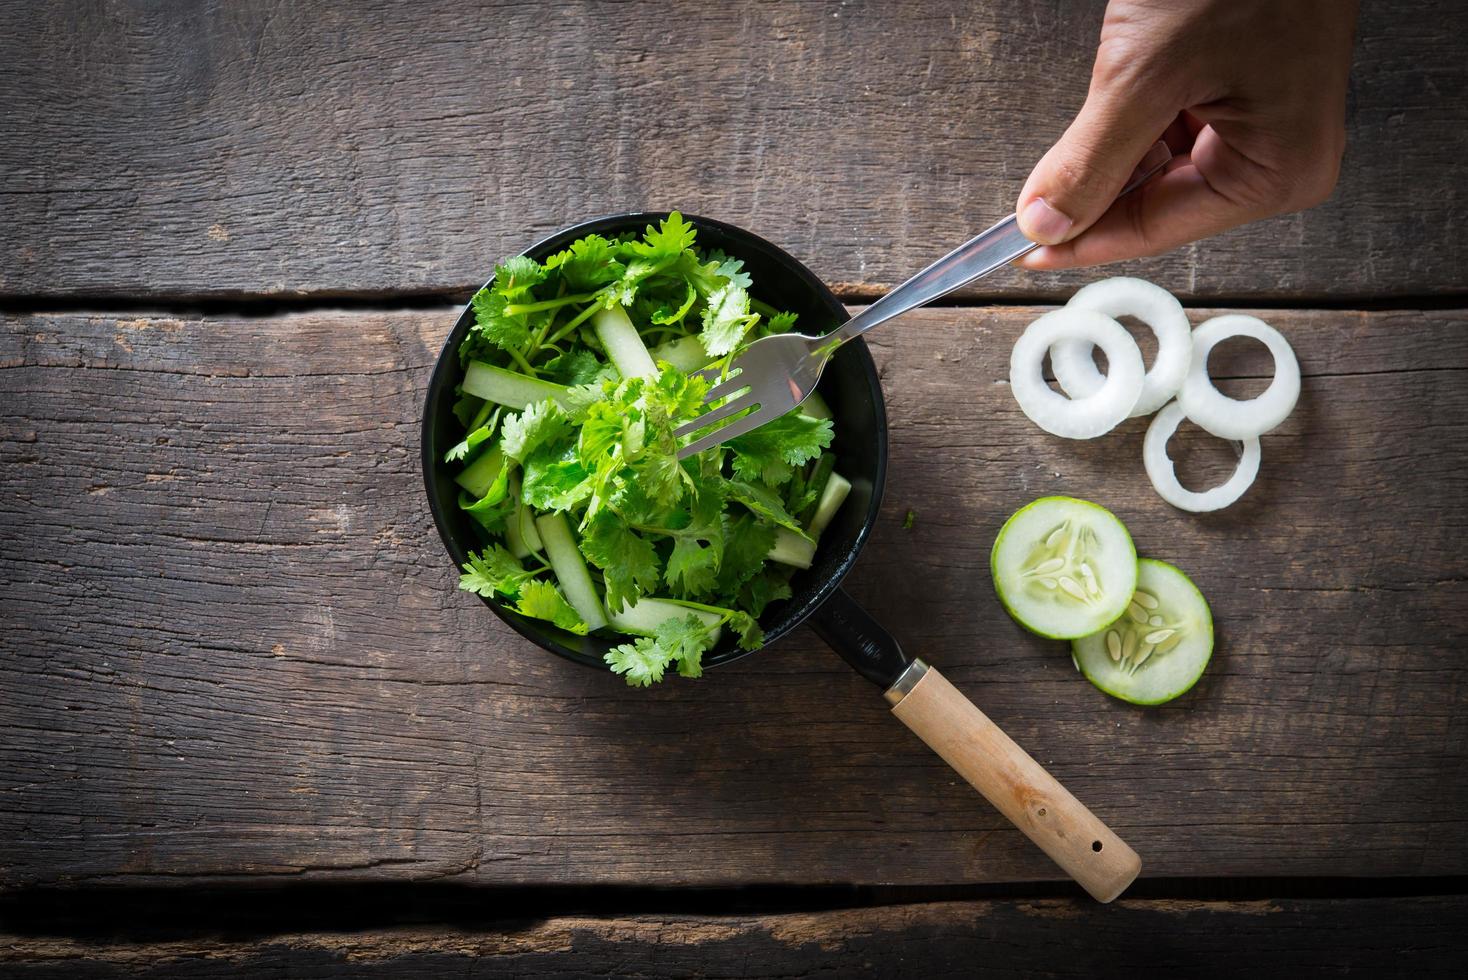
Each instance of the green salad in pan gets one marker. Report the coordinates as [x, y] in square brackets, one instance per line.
[576, 374]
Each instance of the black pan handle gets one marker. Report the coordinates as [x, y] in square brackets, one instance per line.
[860, 640]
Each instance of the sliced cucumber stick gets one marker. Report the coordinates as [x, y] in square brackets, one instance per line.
[1158, 649]
[832, 497]
[570, 568]
[479, 476]
[623, 344]
[495, 384]
[815, 406]
[520, 533]
[792, 549]
[686, 353]
[644, 616]
[1064, 568]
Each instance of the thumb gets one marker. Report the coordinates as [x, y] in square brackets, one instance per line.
[1079, 178]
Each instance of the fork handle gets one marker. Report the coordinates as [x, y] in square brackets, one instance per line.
[979, 256]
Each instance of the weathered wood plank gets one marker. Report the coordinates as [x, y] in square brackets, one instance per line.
[280, 149]
[233, 646]
[1384, 937]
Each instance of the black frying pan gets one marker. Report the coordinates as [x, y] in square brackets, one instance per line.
[920, 696]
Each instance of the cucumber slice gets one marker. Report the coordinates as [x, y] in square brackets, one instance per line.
[520, 533]
[480, 475]
[570, 568]
[624, 347]
[1064, 568]
[832, 497]
[495, 384]
[686, 353]
[645, 615]
[792, 549]
[1158, 650]
[815, 406]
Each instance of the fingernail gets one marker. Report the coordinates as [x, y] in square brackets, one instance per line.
[1042, 223]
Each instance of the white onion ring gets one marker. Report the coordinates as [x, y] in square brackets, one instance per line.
[1076, 418]
[1163, 315]
[1164, 477]
[1232, 418]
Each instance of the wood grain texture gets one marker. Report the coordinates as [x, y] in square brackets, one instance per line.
[265, 148]
[1385, 937]
[233, 648]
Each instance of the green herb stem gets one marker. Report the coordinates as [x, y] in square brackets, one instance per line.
[520, 309]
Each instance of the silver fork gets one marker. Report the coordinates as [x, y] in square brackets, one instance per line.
[778, 372]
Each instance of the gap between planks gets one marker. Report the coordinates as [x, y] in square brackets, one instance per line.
[265, 305]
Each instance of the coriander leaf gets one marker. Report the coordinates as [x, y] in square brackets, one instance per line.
[725, 320]
[769, 452]
[731, 269]
[493, 571]
[677, 396]
[555, 480]
[575, 367]
[493, 324]
[768, 586]
[780, 323]
[542, 600]
[628, 562]
[471, 441]
[764, 502]
[491, 509]
[746, 548]
[693, 567]
[751, 637]
[665, 313]
[516, 275]
[589, 263]
[684, 640]
[641, 662]
[577, 401]
[669, 240]
[625, 290]
[526, 431]
[609, 426]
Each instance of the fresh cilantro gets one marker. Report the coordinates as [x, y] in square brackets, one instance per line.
[470, 443]
[493, 324]
[764, 502]
[771, 452]
[589, 263]
[670, 239]
[731, 269]
[675, 641]
[768, 586]
[532, 428]
[627, 560]
[542, 600]
[726, 319]
[642, 662]
[576, 367]
[494, 571]
[780, 323]
[746, 547]
[555, 480]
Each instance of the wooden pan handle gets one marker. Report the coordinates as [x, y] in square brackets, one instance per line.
[1016, 784]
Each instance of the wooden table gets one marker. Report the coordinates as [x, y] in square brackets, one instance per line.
[240, 687]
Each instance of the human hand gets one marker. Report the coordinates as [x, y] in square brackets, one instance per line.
[1250, 97]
